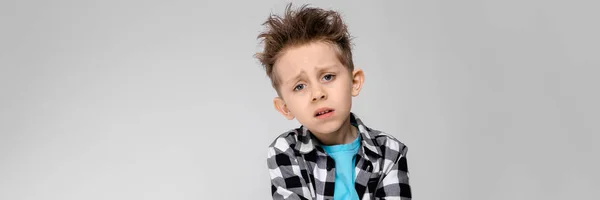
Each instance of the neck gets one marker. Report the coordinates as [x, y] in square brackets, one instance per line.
[344, 135]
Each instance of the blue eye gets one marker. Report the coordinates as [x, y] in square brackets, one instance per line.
[328, 77]
[299, 87]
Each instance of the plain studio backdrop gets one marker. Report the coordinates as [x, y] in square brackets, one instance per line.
[163, 99]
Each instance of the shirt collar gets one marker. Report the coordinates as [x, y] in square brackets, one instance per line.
[307, 141]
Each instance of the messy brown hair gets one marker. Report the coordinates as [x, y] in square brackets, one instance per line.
[300, 27]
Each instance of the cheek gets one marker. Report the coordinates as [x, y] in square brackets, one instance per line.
[343, 88]
[341, 93]
[297, 102]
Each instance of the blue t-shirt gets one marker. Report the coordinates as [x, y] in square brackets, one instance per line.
[344, 156]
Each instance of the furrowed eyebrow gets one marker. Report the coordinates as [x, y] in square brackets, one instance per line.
[320, 69]
[290, 81]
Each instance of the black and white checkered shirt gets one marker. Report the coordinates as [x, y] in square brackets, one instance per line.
[300, 168]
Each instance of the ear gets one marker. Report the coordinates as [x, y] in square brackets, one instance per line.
[282, 108]
[358, 78]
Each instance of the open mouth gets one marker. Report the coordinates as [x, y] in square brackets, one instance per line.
[324, 112]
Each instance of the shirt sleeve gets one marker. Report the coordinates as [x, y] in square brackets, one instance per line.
[394, 184]
[286, 180]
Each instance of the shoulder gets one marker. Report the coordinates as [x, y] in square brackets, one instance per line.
[285, 141]
[389, 144]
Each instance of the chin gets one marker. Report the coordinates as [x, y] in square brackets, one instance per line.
[327, 127]
[324, 131]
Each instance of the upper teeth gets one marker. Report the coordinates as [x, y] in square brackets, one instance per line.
[323, 112]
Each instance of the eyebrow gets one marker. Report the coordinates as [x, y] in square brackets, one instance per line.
[320, 69]
[290, 81]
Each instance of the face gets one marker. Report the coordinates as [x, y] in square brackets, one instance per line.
[316, 88]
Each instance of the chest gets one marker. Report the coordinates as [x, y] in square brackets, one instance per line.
[319, 172]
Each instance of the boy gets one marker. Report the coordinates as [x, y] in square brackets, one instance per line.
[333, 155]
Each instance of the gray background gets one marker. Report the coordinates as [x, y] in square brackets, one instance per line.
[163, 100]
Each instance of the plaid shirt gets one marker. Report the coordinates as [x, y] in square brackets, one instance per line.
[300, 168]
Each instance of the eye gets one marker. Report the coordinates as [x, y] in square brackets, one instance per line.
[328, 77]
[299, 87]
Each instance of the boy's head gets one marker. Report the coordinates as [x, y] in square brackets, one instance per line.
[307, 55]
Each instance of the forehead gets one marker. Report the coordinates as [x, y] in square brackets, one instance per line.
[306, 59]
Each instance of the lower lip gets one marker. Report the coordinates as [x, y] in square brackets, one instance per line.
[326, 115]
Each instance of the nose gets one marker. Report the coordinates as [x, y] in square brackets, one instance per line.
[318, 94]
